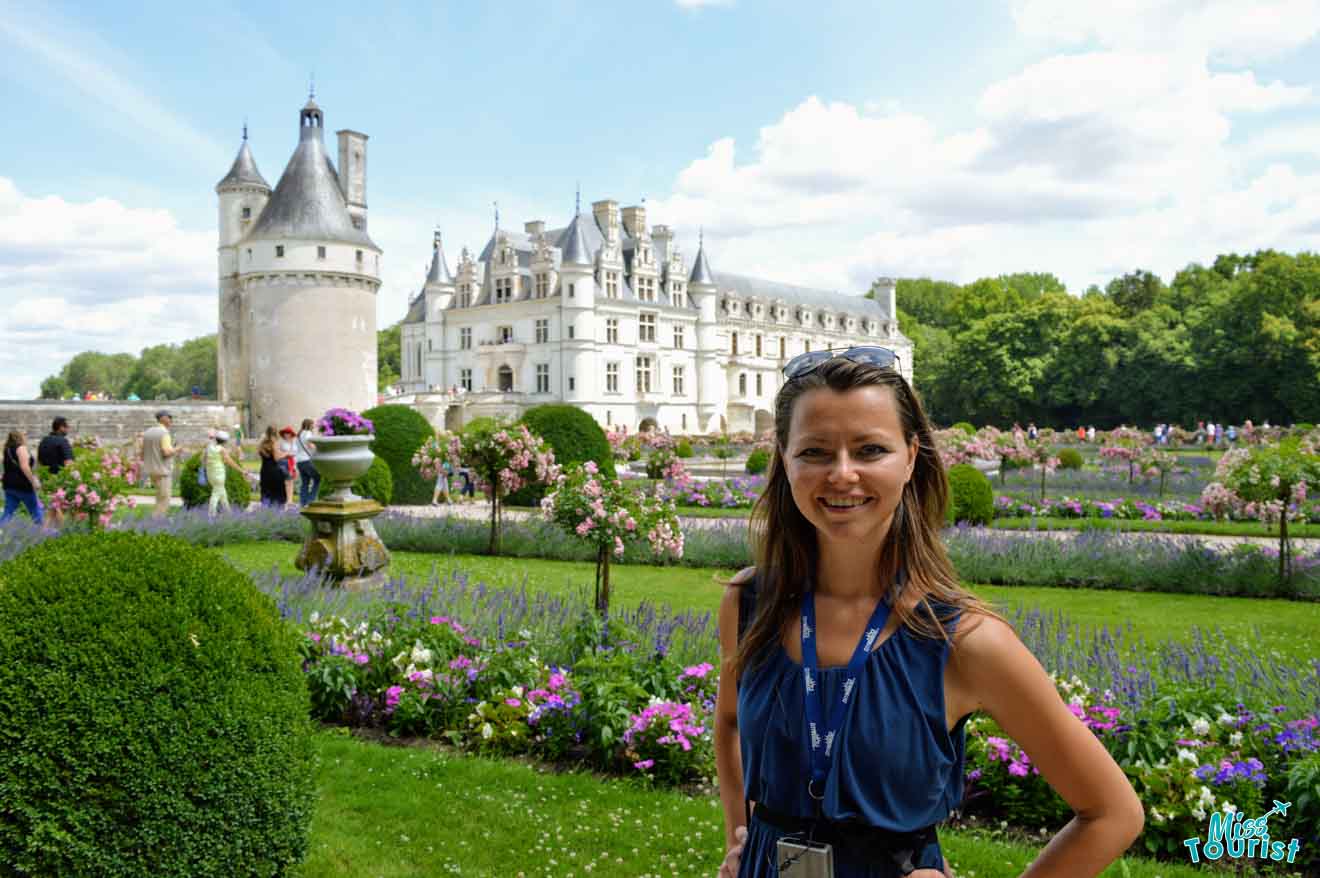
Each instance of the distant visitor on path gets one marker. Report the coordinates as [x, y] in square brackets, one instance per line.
[288, 458]
[22, 486]
[852, 657]
[53, 453]
[216, 460]
[158, 452]
[309, 480]
[442, 484]
[274, 476]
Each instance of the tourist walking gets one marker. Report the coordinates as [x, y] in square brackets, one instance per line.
[22, 486]
[854, 625]
[216, 462]
[158, 453]
[442, 484]
[309, 480]
[469, 488]
[53, 452]
[274, 476]
[288, 458]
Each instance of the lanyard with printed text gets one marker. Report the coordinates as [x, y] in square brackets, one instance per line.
[822, 737]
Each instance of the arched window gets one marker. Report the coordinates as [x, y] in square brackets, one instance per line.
[506, 379]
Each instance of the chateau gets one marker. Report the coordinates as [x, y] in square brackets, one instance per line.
[605, 314]
[298, 282]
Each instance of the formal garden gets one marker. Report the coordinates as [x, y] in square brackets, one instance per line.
[530, 690]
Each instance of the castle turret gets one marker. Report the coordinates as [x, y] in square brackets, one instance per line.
[309, 276]
[577, 295]
[712, 359]
[243, 194]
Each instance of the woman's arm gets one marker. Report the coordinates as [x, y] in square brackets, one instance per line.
[1007, 682]
[25, 466]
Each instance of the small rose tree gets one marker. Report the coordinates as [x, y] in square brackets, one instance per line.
[502, 459]
[607, 515]
[1155, 463]
[93, 485]
[1124, 443]
[1272, 481]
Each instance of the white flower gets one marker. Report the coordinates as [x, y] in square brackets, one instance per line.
[315, 617]
[421, 655]
[1156, 815]
[1201, 726]
[1226, 719]
[1076, 700]
[1228, 808]
[487, 731]
[1198, 812]
[1207, 797]
[1235, 739]
[1185, 755]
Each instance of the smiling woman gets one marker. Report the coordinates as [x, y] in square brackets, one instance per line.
[852, 658]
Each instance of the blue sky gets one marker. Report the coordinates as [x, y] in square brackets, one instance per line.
[824, 143]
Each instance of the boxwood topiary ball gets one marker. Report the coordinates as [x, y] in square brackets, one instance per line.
[400, 431]
[971, 498]
[155, 715]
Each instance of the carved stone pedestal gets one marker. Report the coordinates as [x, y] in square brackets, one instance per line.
[343, 543]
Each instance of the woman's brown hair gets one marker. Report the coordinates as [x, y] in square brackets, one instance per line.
[16, 438]
[267, 446]
[784, 540]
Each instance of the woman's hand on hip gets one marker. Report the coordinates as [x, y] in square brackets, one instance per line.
[733, 858]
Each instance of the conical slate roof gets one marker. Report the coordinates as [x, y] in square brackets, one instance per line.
[307, 203]
[244, 171]
[439, 273]
[701, 273]
[573, 245]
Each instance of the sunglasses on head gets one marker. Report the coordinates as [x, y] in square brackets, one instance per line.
[805, 364]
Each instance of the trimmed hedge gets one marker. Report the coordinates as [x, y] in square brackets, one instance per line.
[683, 448]
[574, 437]
[156, 718]
[964, 427]
[400, 431]
[971, 498]
[237, 486]
[1070, 458]
[758, 462]
[376, 484]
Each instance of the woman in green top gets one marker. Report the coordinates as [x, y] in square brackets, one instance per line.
[216, 461]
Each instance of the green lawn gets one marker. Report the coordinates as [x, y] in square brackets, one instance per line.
[1287, 627]
[417, 812]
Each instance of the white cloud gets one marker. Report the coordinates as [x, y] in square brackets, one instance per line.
[94, 275]
[1086, 164]
[1230, 31]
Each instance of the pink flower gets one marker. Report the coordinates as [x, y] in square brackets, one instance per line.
[644, 764]
[1017, 769]
[590, 467]
[513, 702]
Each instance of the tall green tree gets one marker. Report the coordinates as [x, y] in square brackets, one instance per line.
[389, 360]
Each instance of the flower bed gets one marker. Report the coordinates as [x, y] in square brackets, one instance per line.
[736, 493]
[1196, 726]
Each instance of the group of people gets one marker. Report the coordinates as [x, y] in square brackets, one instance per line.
[286, 457]
[444, 482]
[22, 480]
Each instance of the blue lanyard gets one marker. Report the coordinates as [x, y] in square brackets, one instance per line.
[821, 737]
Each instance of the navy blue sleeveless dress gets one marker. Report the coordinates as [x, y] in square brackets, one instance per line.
[897, 766]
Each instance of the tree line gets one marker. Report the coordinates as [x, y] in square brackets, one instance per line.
[170, 371]
[1236, 340]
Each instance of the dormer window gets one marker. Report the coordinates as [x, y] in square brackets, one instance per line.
[320, 252]
[279, 251]
[247, 213]
[542, 285]
[503, 290]
[358, 254]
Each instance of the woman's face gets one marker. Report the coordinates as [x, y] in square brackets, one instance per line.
[847, 462]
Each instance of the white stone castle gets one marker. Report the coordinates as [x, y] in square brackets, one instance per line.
[298, 282]
[605, 315]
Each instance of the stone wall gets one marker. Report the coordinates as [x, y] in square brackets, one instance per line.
[117, 422]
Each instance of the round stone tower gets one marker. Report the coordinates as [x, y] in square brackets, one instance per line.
[306, 275]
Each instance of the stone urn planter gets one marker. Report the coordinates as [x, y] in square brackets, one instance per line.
[342, 543]
[341, 461]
